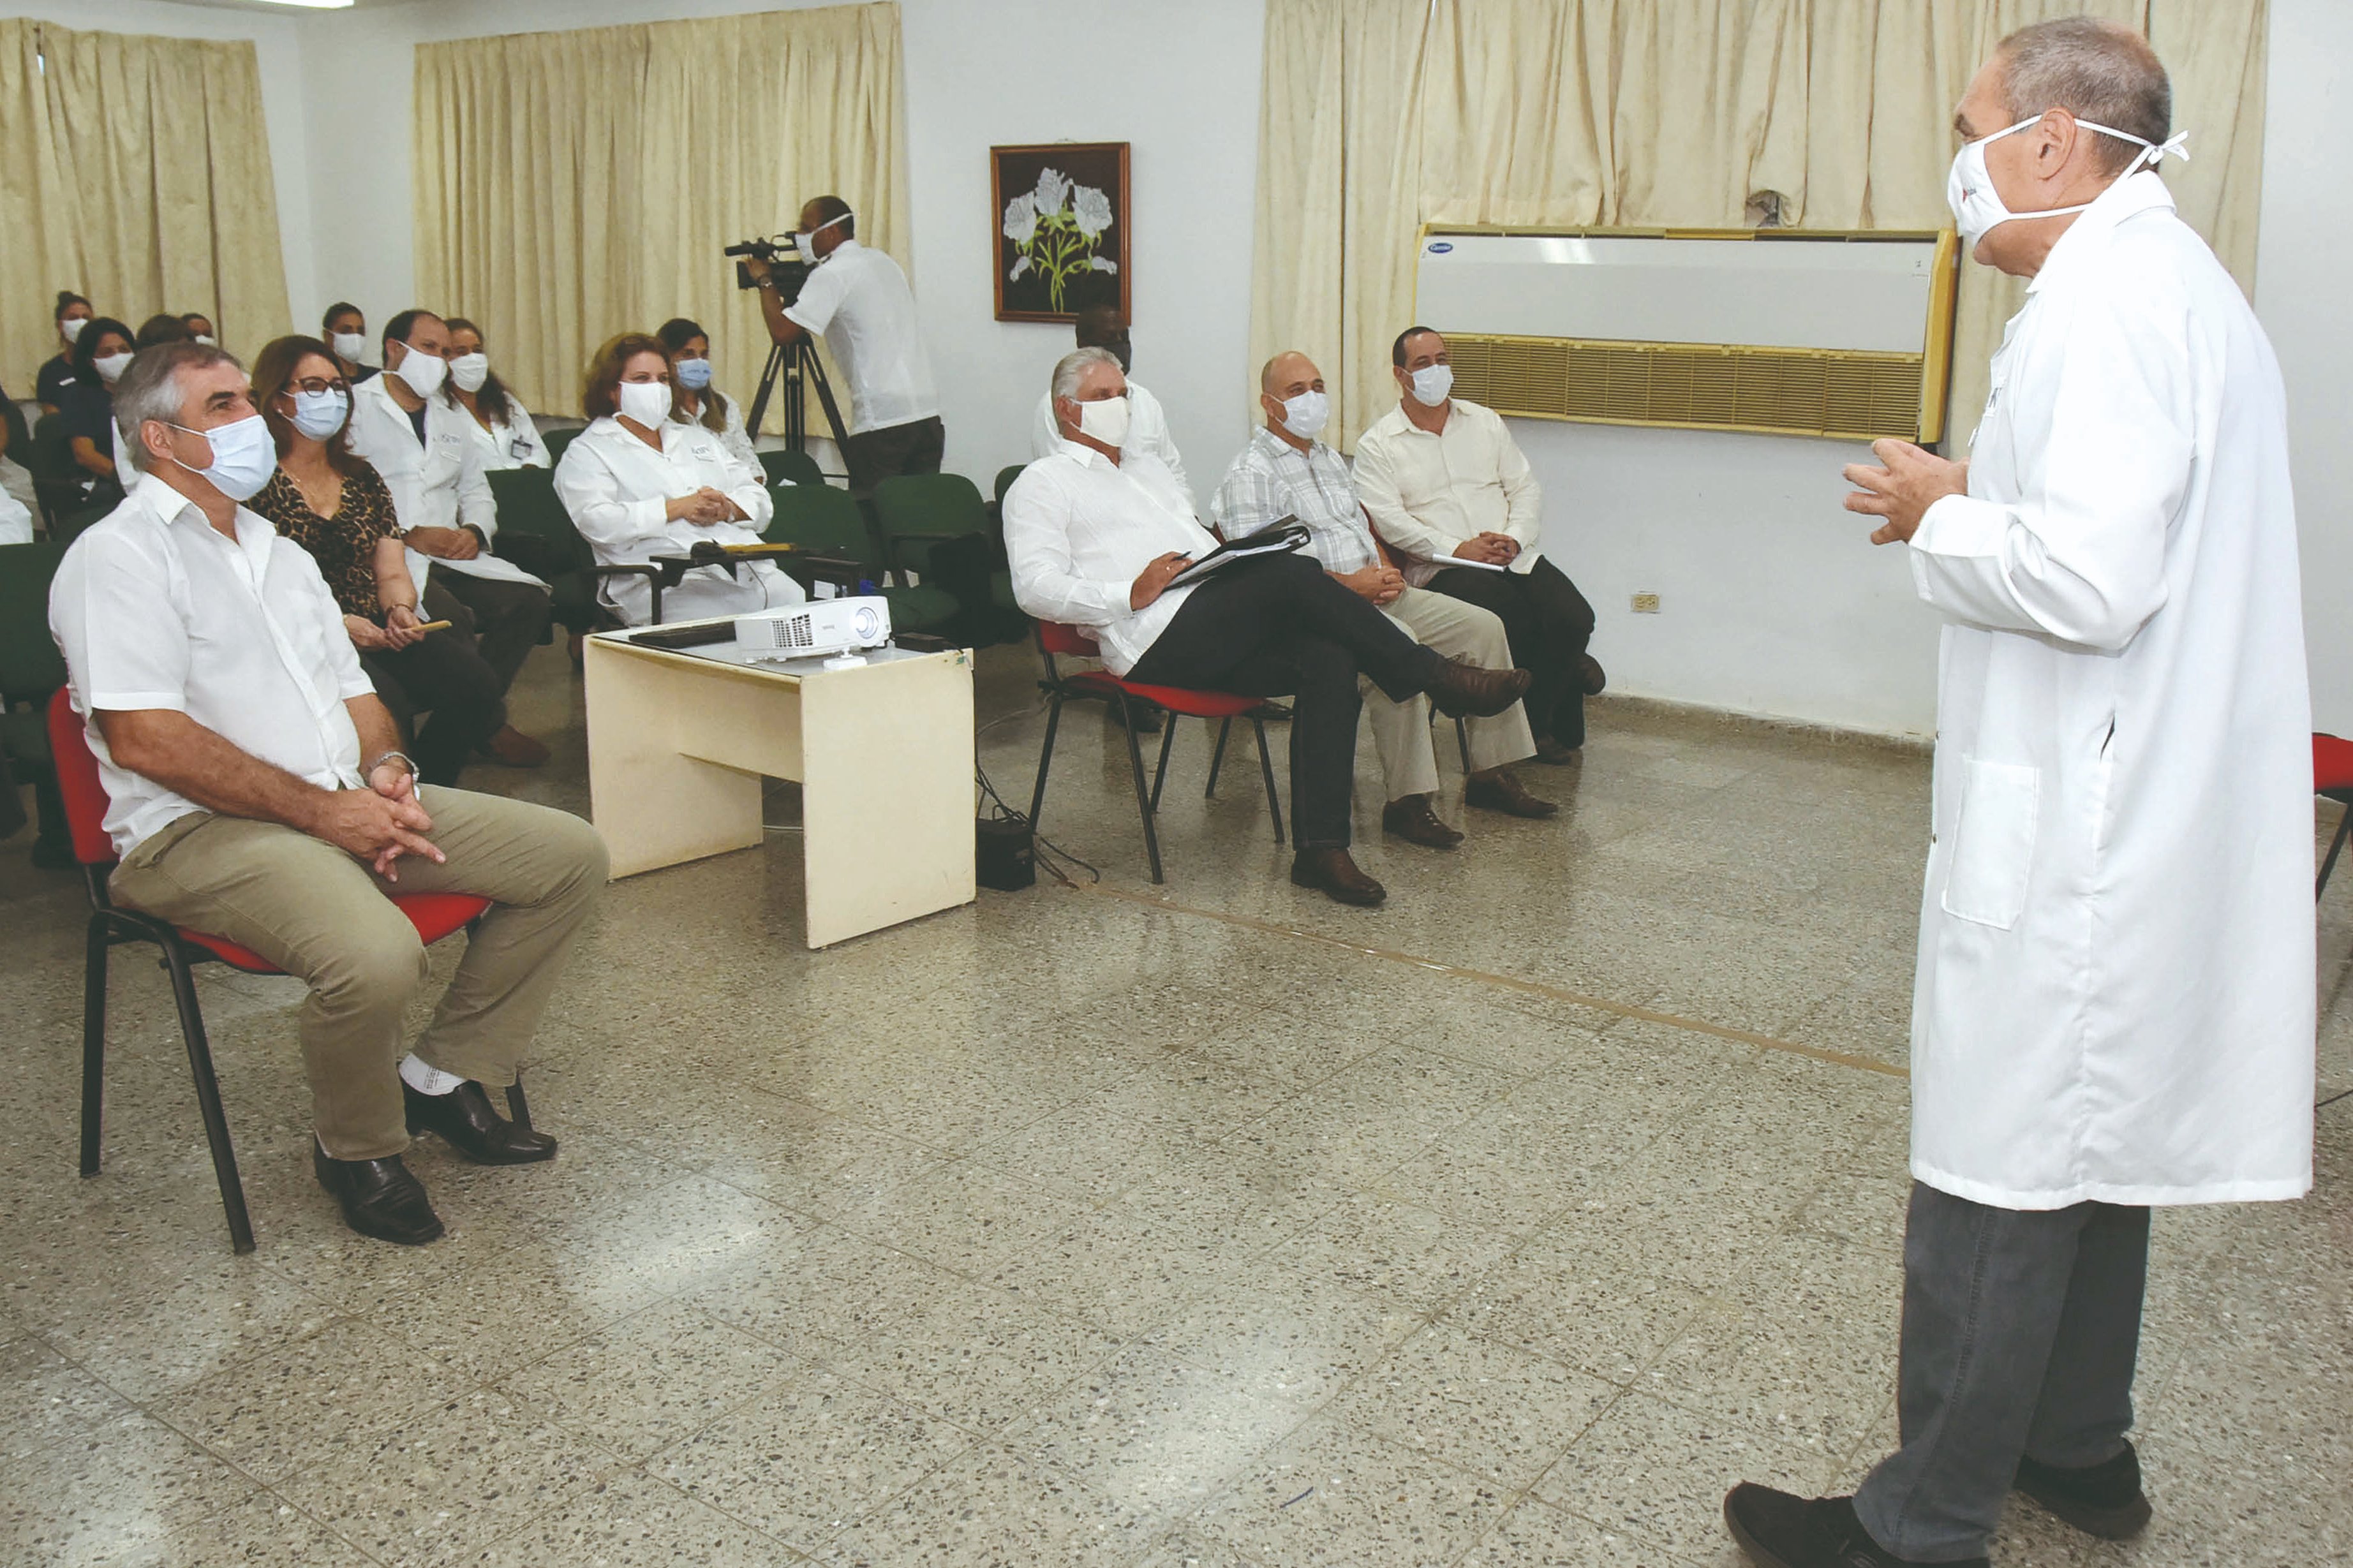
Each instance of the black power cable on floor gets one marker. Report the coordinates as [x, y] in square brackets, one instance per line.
[2332, 1099]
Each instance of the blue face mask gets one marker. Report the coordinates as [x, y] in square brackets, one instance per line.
[320, 414]
[693, 374]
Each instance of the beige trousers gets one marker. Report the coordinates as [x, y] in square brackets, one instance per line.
[1401, 730]
[319, 914]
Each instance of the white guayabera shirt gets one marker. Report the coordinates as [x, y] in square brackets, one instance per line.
[1426, 494]
[858, 300]
[1147, 431]
[2114, 995]
[1078, 529]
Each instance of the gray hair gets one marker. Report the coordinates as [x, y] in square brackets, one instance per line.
[150, 389]
[1072, 366]
[2094, 70]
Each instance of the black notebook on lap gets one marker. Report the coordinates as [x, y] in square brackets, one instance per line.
[1280, 537]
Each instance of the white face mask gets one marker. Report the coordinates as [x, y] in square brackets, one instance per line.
[109, 367]
[1105, 421]
[350, 345]
[807, 243]
[423, 371]
[1306, 415]
[1432, 383]
[646, 402]
[1977, 207]
[470, 371]
[244, 456]
[72, 325]
[204, 338]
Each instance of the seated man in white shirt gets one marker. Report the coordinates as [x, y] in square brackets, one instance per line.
[1448, 489]
[1100, 327]
[1095, 534]
[1285, 471]
[256, 791]
[417, 435]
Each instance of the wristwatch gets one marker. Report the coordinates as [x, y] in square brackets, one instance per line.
[403, 758]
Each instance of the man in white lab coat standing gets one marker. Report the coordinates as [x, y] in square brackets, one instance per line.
[2113, 1006]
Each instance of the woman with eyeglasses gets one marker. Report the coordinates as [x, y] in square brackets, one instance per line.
[337, 507]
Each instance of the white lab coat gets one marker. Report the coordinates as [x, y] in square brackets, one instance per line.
[437, 484]
[511, 443]
[734, 437]
[2115, 992]
[617, 488]
[1147, 431]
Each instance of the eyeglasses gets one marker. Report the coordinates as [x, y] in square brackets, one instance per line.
[318, 384]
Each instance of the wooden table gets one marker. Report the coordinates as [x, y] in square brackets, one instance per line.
[680, 742]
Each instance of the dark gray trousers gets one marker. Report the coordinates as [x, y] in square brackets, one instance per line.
[2021, 1330]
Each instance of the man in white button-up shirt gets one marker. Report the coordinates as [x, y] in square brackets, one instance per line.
[1100, 327]
[256, 791]
[1285, 471]
[1095, 535]
[1450, 490]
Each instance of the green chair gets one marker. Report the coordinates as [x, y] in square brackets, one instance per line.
[917, 513]
[20, 434]
[536, 533]
[48, 456]
[558, 439]
[30, 670]
[828, 524]
[1005, 478]
[791, 465]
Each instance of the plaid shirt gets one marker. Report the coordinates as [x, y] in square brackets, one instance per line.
[1270, 476]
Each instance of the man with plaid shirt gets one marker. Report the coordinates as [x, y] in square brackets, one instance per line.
[1286, 472]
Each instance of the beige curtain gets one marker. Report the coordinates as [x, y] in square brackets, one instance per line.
[135, 171]
[572, 186]
[1383, 115]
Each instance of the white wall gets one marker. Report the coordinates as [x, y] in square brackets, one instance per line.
[2307, 234]
[278, 52]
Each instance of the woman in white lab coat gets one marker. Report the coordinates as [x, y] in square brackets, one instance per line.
[693, 399]
[503, 433]
[640, 484]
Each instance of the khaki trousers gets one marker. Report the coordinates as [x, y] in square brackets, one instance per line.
[320, 914]
[1401, 730]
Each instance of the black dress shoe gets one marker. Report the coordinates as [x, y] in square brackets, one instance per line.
[1335, 874]
[379, 1197]
[1500, 789]
[1147, 719]
[1552, 752]
[1466, 692]
[1775, 1529]
[465, 1122]
[2105, 1501]
[1411, 819]
[1590, 675]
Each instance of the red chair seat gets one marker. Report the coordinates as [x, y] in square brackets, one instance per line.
[435, 916]
[2332, 764]
[1175, 699]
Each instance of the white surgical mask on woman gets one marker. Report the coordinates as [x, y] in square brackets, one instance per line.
[320, 414]
[350, 345]
[204, 338]
[1306, 415]
[1432, 383]
[109, 367]
[1977, 206]
[1104, 421]
[72, 325]
[693, 374]
[646, 402]
[470, 371]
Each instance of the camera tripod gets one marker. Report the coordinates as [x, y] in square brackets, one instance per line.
[795, 366]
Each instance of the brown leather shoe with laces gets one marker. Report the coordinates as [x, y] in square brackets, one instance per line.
[1466, 692]
[1333, 872]
[1413, 819]
[1500, 789]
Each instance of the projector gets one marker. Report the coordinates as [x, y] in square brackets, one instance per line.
[819, 629]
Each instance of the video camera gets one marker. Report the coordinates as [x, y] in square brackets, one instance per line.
[786, 266]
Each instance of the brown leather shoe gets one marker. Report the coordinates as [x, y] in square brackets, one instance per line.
[515, 749]
[1466, 692]
[1333, 871]
[1591, 676]
[1551, 751]
[1411, 819]
[1499, 789]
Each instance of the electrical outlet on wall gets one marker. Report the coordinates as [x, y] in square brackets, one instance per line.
[1646, 603]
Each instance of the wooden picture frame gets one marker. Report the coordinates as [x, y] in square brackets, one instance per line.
[1053, 264]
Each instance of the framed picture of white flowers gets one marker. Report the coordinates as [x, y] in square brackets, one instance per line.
[1062, 229]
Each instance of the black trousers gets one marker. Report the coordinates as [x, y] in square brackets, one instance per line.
[1549, 625]
[506, 618]
[1284, 628]
[914, 448]
[442, 675]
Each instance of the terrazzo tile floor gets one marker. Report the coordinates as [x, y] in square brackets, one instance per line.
[1115, 1224]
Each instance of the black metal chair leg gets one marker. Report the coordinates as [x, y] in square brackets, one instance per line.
[2344, 827]
[1217, 758]
[1142, 801]
[1045, 759]
[1266, 768]
[518, 1108]
[93, 1045]
[1160, 773]
[1462, 739]
[200, 1067]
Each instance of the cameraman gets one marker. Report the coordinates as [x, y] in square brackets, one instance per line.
[858, 301]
